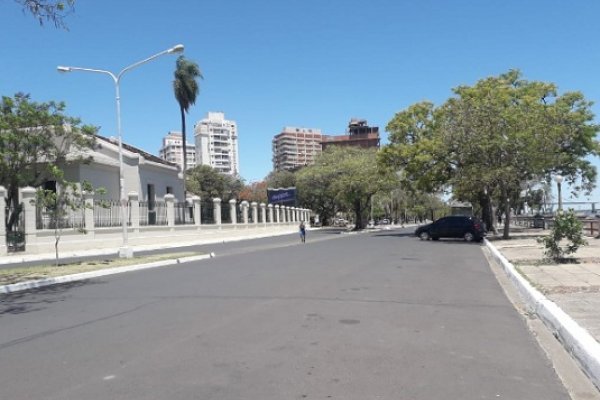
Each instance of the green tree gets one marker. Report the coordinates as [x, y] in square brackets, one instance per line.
[490, 140]
[281, 179]
[35, 137]
[186, 89]
[346, 177]
[48, 10]
[209, 183]
[62, 203]
[313, 185]
[566, 236]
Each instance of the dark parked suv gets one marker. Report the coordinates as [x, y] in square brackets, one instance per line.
[468, 228]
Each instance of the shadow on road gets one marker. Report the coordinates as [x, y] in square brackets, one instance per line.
[395, 234]
[36, 299]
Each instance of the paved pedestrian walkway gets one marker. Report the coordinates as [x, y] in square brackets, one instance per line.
[573, 286]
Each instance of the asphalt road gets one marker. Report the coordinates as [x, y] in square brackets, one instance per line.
[369, 316]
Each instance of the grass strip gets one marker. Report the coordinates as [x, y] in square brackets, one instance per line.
[21, 274]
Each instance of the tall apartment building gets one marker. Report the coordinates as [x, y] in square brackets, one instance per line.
[360, 134]
[172, 150]
[217, 143]
[296, 147]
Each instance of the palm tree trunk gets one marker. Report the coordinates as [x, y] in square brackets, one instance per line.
[183, 141]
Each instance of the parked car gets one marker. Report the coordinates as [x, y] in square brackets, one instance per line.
[468, 228]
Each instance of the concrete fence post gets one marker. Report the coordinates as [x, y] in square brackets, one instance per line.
[286, 214]
[134, 210]
[197, 210]
[232, 211]
[217, 211]
[254, 206]
[244, 205]
[28, 199]
[277, 215]
[170, 202]
[263, 213]
[270, 207]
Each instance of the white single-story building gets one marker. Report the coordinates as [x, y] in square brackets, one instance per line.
[148, 175]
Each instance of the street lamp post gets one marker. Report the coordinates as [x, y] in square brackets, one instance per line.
[558, 179]
[124, 251]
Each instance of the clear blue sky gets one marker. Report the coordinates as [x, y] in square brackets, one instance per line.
[309, 63]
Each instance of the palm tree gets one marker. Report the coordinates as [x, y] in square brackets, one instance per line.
[186, 88]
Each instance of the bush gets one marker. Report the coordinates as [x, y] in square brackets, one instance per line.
[566, 227]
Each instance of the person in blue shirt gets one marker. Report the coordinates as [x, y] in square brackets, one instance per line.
[302, 232]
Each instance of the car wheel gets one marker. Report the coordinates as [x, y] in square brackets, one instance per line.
[424, 235]
[469, 237]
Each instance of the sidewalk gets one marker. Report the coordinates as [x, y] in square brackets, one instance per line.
[566, 297]
[203, 238]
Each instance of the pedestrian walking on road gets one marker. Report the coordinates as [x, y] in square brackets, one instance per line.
[302, 232]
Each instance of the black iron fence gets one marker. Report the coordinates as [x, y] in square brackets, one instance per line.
[153, 213]
[184, 213]
[207, 212]
[225, 216]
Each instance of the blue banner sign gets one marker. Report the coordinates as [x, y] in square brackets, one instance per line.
[284, 196]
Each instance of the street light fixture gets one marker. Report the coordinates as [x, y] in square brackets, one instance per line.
[124, 251]
[558, 179]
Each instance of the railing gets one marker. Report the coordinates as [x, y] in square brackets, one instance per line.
[107, 213]
[591, 226]
[184, 213]
[153, 213]
[48, 219]
[207, 212]
[225, 216]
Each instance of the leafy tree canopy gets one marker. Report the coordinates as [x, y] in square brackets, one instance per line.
[343, 178]
[48, 10]
[254, 191]
[281, 179]
[490, 140]
[208, 183]
[35, 137]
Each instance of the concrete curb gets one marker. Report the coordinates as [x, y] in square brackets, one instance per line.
[576, 340]
[21, 286]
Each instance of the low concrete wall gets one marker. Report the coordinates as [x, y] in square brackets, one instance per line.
[112, 238]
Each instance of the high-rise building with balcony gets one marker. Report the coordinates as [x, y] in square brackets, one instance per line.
[217, 143]
[172, 150]
[294, 148]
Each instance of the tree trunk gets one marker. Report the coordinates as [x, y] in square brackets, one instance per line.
[13, 205]
[183, 142]
[487, 214]
[358, 216]
[506, 233]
